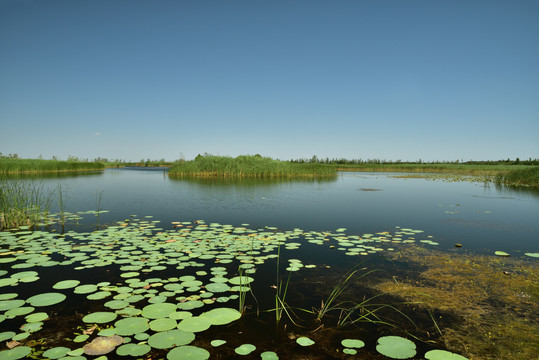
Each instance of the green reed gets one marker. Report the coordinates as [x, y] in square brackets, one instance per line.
[23, 203]
[23, 166]
[249, 166]
[527, 177]
[453, 168]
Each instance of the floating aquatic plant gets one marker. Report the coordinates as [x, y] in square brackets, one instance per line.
[396, 347]
[304, 341]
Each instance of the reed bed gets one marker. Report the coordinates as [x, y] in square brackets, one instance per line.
[23, 166]
[23, 203]
[526, 177]
[249, 166]
[464, 169]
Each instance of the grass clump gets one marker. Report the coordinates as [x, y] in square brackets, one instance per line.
[526, 177]
[248, 166]
[24, 166]
[22, 203]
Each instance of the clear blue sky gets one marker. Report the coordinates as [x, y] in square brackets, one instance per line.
[430, 80]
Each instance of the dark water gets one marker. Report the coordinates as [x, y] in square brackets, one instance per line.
[479, 216]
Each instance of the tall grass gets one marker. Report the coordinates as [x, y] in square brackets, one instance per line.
[21, 166]
[526, 177]
[248, 166]
[23, 203]
[468, 169]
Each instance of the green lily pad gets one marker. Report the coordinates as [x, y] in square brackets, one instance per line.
[535, 255]
[158, 311]
[56, 352]
[352, 343]
[99, 317]
[188, 352]
[245, 349]
[171, 338]
[304, 341]
[131, 326]
[221, 316]
[46, 299]
[443, 355]
[269, 355]
[11, 304]
[37, 317]
[24, 310]
[66, 284]
[194, 324]
[6, 335]
[217, 342]
[163, 324]
[18, 352]
[133, 349]
[396, 347]
[501, 253]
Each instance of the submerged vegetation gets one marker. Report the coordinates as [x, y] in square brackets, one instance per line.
[24, 166]
[492, 300]
[248, 166]
[526, 177]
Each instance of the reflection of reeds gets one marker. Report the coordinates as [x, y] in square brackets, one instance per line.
[249, 166]
[23, 203]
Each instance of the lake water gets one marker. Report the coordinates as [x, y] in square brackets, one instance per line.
[175, 241]
[480, 217]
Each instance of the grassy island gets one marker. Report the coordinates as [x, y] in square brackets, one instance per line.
[248, 166]
[27, 166]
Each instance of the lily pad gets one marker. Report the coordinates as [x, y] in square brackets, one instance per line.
[18, 352]
[133, 349]
[443, 355]
[501, 253]
[56, 352]
[159, 310]
[131, 326]
[102, 345]
[245, 349]
[66, 284]
[396, 347]
[46, 299]
[100, 317]
[269, 355]
[304, 341]
[217, 342]
[171, 338]
[188, 352]
[194, 324]
[352, 343]
[163, 324]
[221, 316]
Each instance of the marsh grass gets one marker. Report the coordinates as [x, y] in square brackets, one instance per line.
[26, 166]
[249, 166]
[527, 177]
[463, 169]
[23, 203]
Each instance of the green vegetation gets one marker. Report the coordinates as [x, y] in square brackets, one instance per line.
[528, 177]
[22, 166]
[248, 166]
[464, 169]
[22, 203]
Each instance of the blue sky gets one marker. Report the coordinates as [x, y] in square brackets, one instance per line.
[408, 80]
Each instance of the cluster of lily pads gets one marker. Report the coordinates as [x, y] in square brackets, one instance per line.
[143, 310]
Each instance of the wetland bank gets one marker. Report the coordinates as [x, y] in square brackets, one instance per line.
[272, 252]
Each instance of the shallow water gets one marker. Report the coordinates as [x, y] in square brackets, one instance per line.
[334, 217]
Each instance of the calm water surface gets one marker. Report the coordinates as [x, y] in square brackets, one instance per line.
[479, 216]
